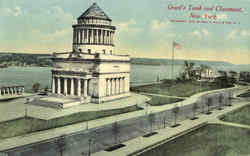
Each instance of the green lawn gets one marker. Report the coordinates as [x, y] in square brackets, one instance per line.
[211, 140]
[178, 88]
[23, 126]
[244, 95]
[159, 100]
[241, 116]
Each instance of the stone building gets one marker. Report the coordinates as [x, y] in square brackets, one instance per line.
[11, 90]
[92, 71]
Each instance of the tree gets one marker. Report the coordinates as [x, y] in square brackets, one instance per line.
[195, 107]
[189, 69]
[230, 97]
[151, 119]
[175, 111]
[116, 131]
[233, 76]
[220, 100]
[209, 103]
[202, 68]
[61, 144]
[36, 87]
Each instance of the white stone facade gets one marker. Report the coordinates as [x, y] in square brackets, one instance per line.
[92, 71]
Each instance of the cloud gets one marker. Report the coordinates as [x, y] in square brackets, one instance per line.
[128, 26]
[245, 33]
[234, 34]
[195, 33]
[160, 25]
[206, 32]
[16, 11]
[50, 37]
[200, 33]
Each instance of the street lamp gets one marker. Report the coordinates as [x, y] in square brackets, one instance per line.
[90, 140]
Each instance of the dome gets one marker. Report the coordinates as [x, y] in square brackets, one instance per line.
[94, 11]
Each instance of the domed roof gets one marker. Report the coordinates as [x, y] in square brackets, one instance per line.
[94, 11]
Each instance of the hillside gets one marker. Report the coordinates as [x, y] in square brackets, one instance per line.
[22, 59]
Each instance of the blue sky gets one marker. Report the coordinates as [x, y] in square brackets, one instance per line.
[143, 28]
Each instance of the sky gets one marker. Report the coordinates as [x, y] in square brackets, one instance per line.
[144, 27]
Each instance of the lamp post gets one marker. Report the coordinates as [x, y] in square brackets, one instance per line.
[90, 140]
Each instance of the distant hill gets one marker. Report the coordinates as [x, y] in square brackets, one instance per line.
[36, 59]
[149, 61]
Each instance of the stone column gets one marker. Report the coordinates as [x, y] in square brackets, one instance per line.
[77, 36]
[113, 87]
[81, 36]
[92, 36]
[107, 87]
[97, 36]
[112, 34]
[53, 85]
[22, 90]
[85, 88]
[0, 92]
[124, 84]
[103, 35]
[79, 87]
[87, 39]
[108, 37]
[117, 85]
[84, 36]
[65, 86]
[58, 85]
[72, 88]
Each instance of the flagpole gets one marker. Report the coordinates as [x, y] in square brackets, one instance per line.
[172, 74]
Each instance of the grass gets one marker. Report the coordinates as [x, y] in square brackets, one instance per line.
[210, 140]
[28, 125]
[241, 116]
[177, 88]
[159, 100]
[244, 95]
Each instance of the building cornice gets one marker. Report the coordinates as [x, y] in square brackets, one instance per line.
[93, 26]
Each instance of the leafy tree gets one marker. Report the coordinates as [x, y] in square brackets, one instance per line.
[151, 119]
[233, 76]
[61, 145]
[36, 87]
[175, 111]
[220, 100]
[230, 97]
[195, 107]
[209, 103]
[189, 69]
[116, 131]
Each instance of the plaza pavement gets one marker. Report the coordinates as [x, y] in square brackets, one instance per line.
[75, 128]
[16, 109]
[11, 97]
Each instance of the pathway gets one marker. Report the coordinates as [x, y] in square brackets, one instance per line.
[161, 95]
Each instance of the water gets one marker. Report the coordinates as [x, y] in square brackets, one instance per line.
[140, 74]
